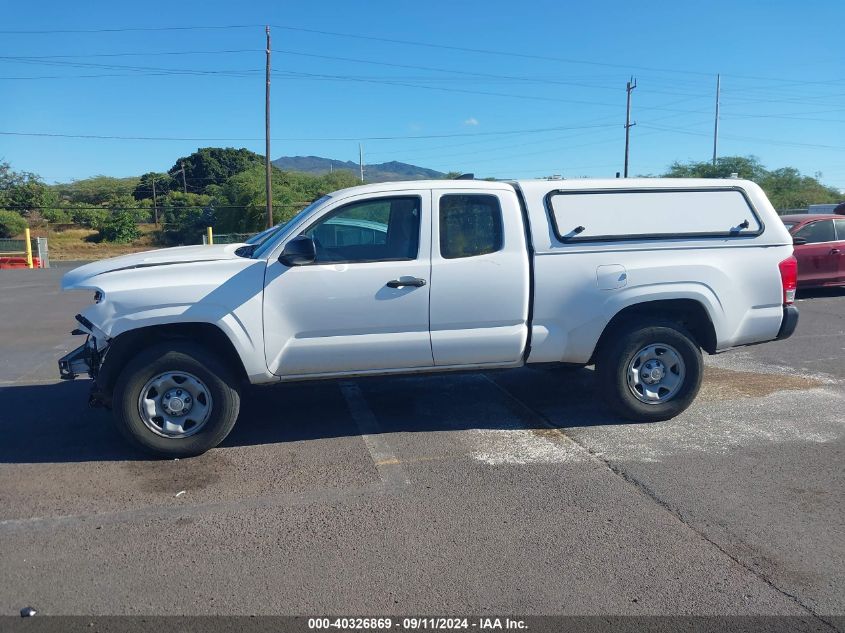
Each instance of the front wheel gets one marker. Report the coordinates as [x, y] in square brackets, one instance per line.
[649, 372]
[176, 400]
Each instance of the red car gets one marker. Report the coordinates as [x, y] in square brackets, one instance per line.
[819, 248]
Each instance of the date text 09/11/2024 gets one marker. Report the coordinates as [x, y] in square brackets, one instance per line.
[411, 623]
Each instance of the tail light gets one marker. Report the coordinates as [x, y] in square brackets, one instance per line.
[789, 278]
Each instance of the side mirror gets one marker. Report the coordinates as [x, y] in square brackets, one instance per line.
[298, 252]
[798, 241]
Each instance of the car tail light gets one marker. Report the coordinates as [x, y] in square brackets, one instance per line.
[789, 278]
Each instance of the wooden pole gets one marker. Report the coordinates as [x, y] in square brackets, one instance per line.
[268, 167]
[155, 202]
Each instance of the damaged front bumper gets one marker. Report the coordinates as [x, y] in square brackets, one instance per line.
[87, 358]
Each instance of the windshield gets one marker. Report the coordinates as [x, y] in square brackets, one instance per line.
[267, 242]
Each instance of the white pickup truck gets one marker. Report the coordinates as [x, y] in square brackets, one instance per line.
[636, 276]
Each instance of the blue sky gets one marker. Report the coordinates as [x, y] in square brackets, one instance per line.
[553, 102]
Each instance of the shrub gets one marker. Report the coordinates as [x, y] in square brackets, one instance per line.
[120, 227]
[57, 216]
[11, 224]
[89, 218]
[185, 225]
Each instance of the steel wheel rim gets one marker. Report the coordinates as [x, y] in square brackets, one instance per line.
[175, 404]
[656, 373]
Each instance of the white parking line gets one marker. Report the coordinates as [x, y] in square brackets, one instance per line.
[387, 463]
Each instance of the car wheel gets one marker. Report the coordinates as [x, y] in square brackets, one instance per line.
[649, 371]
[176, 400]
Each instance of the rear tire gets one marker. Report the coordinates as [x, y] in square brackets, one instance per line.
[649, 371]
[176, 399]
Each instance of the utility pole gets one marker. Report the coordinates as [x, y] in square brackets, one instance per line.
[155, 203]
[361, 160]
[629, 88]
[184, 184]
[716, 124]
[267, 166]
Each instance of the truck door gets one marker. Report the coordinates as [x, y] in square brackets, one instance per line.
[363, 304]
[479, 278]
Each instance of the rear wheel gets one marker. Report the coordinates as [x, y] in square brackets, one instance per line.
[649, 371]
[176, 400]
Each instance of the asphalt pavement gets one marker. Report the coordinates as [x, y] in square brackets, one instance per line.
[511, 492]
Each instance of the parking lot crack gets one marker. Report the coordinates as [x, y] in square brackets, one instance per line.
[644, 490]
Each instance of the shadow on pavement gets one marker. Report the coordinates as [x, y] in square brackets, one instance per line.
[820, 293]
[52, 422]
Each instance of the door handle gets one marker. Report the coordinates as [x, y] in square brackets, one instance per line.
[835, 251]
[406, 281]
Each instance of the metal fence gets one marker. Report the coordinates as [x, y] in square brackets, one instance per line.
[11, 246]
[228, 238]
[17, 247]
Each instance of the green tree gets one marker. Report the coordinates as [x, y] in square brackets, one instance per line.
[12, 224]
[240, 204]
[748, 167]
[141, 210]
[23, 191]
[212, 166]
[120, 227]
[57, 215]
[95, 191]
[144, 189]
[184, 217]
[786, 188]
[86, 216]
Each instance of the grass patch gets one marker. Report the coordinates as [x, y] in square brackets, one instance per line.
[79, 244]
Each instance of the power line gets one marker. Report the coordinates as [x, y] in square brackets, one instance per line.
[134, 54]
[128, 29]
[485, 51]
[746, 138]
[488, 51]
[348, 138]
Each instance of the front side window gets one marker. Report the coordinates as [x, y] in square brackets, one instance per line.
[379, 229]
[470, 225]
[821, 231]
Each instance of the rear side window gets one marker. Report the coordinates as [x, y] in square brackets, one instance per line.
[815, 232]
[840, 229]
[470, 225]
[650, 214]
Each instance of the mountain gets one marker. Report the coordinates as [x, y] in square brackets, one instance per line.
[377, 172]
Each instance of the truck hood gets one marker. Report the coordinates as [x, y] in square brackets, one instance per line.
[81, 277]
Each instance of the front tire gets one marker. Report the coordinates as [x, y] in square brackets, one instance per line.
[649, 372]
[176, 399]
